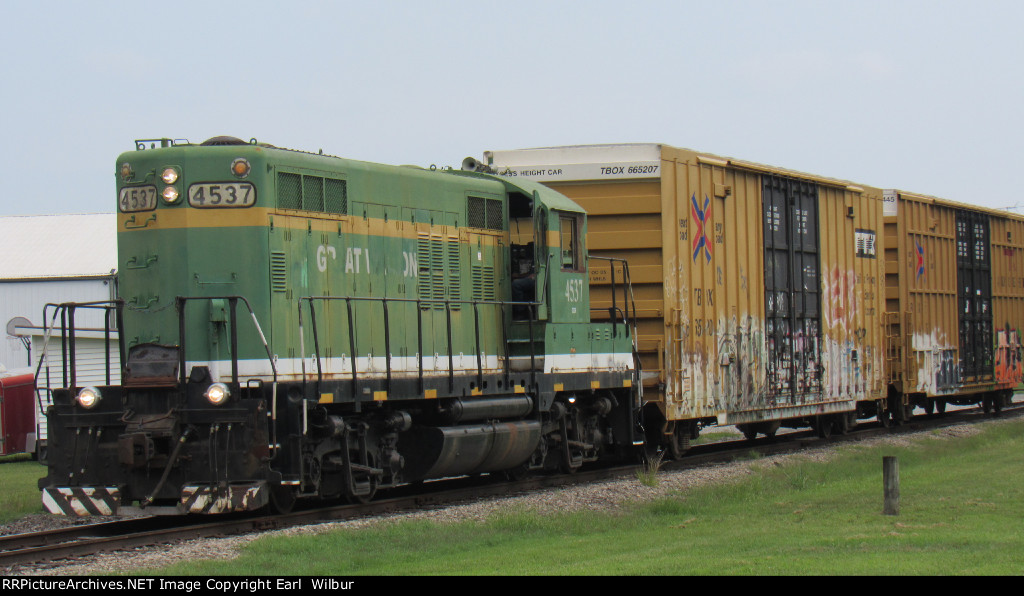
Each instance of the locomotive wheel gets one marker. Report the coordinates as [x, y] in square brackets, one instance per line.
[749, 431]
[940, 406]
[883, 418]
[565, 466]
[929, 406]
[517, 473]
[368, 480]
[364, 499]
[282, 498]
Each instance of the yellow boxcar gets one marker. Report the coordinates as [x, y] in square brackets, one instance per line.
[954, 302]
[758, 290]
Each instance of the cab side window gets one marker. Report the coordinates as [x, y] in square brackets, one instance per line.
[569, 228]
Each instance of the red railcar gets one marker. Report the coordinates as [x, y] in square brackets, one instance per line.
[17, 416]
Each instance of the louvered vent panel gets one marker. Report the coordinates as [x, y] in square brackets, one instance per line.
[430, 257]
[278, 272]
[483, 283]
[437, 269]
[454, 272]
[423, 262]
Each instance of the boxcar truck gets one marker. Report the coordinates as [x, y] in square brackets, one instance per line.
[17, 418]
[758, 290]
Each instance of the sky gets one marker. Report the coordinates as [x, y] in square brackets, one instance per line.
[924, 96]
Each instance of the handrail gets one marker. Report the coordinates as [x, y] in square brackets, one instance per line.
[180, 302]
[421, 305]
[629, 301]
[627, 290]
[66, 311]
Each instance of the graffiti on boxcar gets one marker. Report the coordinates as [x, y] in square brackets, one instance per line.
[1009, 368]
[740, 354]
[843, 370]
[938, 365]
[701, 381]
[840, 299]
[844, 374]
[794, 371]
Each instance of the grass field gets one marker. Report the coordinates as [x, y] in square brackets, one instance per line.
[19, 494]
[960, 515]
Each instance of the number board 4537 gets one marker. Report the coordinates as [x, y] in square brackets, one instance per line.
[223, 194]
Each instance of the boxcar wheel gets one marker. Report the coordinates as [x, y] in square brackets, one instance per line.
[902, 414]
[844, 422]
[679, 442]
[823, 426]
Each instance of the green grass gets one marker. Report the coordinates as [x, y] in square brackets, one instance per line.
[960, 514]
[647, 472]
[19, 493]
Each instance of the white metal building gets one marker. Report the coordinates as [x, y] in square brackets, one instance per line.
[49, 259]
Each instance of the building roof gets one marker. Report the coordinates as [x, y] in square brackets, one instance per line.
[58, 246]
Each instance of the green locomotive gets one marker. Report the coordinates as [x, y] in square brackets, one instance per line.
[299, 325]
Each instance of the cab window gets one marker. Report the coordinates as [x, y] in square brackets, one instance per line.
[569, 227]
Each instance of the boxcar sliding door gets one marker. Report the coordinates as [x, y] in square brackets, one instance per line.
[792, 289]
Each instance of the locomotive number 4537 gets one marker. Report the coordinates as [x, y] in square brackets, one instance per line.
[225, 194]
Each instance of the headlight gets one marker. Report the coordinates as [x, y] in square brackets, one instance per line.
[170, 194]
[88, 397]
[127, 173]
[170, 175]
[217, 394]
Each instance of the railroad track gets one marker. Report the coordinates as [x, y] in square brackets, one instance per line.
[51, 546]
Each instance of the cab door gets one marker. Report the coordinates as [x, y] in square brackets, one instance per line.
[568, 294]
